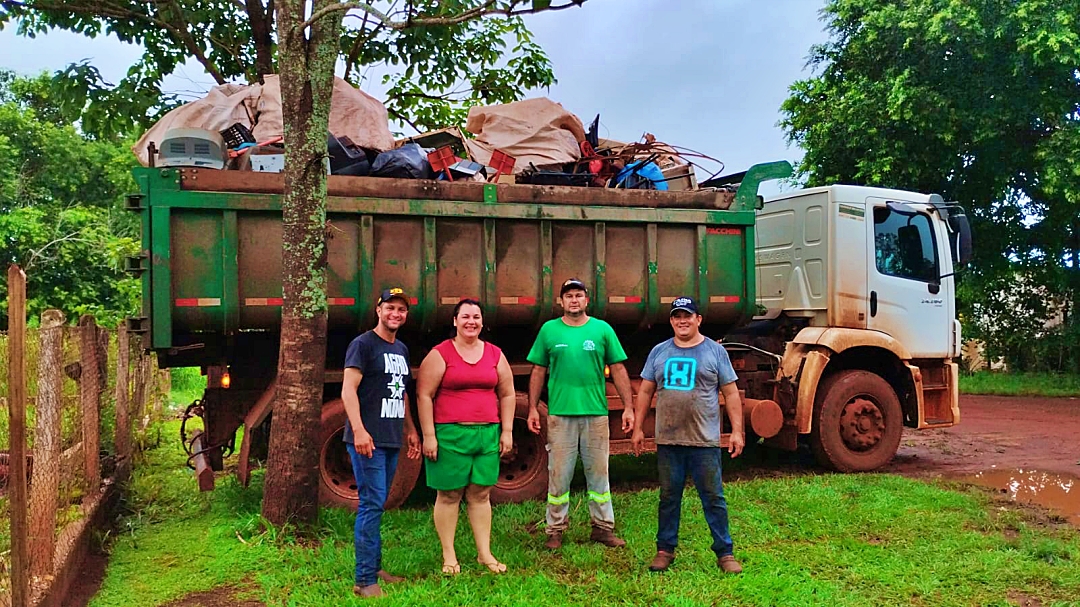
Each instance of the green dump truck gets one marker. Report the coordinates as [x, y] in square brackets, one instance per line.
[212, 295]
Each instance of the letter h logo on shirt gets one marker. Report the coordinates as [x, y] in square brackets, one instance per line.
[679, 373]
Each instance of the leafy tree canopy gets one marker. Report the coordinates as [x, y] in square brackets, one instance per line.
[61, 214]
[977, 101]
[443, 58]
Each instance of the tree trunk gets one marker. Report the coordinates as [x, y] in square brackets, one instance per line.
[262, 23]
[307, 77]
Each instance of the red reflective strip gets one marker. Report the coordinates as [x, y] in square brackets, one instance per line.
[626, 299]
[263, 301]
[197, 302]
[518, 301]
[413, 301]
[453, 301]
[724, 299]
[341, 301]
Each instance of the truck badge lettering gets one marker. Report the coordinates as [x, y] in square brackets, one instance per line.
[852, 211]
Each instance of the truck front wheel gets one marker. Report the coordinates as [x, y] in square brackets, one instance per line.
[857, 422]
[523, 473]
[337, 485]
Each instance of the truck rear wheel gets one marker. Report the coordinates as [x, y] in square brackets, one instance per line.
[857, 422]
[337, 485]
[523, 473]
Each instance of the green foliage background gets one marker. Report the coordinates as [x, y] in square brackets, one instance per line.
[61, 214]
[980, 102]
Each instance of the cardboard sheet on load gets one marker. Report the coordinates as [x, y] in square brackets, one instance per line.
[353, 114]
[537, 131]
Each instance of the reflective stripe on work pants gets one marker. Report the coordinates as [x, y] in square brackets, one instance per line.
[569, 437]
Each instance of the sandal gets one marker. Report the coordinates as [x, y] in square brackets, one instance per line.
[451, 568]
[494, 566]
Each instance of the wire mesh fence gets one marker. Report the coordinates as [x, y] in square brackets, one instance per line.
[91, 393]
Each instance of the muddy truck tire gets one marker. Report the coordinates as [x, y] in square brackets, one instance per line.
[337, 485]
[857, 422]
[523, 473]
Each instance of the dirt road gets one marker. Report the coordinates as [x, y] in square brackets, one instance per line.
[997, 432]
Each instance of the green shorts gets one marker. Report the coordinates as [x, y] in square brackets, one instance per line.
[468, 454]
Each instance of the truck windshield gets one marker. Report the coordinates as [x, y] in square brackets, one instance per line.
[904, 245]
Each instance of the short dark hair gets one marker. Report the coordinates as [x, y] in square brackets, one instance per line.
[468, 301]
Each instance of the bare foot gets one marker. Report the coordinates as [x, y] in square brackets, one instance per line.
[451, 568]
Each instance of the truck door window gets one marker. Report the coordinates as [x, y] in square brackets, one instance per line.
[904, 245]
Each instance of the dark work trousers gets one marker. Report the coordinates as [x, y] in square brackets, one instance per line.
[703, 465]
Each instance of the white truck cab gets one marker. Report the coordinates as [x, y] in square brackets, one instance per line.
[858, 283]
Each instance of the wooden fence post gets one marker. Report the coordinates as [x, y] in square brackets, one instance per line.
[45, 478]
[165, 379]
[123, 410]
[20, 590]
[138, 404]
[90, 402]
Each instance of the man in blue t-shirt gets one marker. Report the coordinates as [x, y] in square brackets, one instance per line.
[373, 391]
[688, 372]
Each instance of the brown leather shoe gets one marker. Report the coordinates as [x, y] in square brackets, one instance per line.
[662, 561]
[606, 537]
[554, 541]
[368, 592]
[729, 564]
[388, 577]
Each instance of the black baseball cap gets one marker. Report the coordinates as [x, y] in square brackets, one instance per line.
[571, 284]
[394, 293]
[685, 304]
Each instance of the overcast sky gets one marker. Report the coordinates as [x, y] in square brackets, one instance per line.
[709, 75]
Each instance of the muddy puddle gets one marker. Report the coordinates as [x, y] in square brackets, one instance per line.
[1058, 492]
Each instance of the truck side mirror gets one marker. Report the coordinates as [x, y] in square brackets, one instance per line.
[961, 229]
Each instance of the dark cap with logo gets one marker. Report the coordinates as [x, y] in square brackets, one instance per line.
[394, 293]
[685, 304]
[571, 284]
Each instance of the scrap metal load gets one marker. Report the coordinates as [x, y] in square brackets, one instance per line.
[534, 142]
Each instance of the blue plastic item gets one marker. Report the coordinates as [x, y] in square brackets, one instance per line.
[648, 177]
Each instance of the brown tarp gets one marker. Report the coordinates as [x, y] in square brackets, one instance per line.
[537, 131]
[353, 114]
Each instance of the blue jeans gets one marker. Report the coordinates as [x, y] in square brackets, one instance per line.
[703, 465]
[373, 478]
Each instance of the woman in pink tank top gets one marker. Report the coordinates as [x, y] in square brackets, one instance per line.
[465, 398]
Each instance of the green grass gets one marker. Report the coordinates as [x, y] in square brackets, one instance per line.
[1020, 384]
[187, 385]
[828, 539]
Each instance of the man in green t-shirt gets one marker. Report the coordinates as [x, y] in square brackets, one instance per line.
[575, 349]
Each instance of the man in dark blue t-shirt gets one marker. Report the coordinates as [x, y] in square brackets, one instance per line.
[373, 390]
